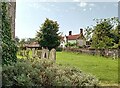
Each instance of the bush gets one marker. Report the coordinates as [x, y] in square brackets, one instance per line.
[70, 44]
[59, 49]
[40, 72]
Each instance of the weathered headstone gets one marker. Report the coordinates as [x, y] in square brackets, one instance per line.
[45, 53]
[23, 53]
[52, 54]
[33, 52]
[39, 52]
[27, 53]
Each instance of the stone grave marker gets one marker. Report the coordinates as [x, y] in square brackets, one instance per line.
[27, 53]
[52, 54]
[45, 53]
[39, 53]
[33, 52]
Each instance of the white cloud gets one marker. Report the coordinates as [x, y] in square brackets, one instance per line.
[67, 0]
[82, 4]
[52, 5]
[73, 8]
[91, 4]
[90, 9]
[38, 5]
[33, 5]
[76, 0]
[84, 9]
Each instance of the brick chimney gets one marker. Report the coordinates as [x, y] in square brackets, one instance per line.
[81, 31]
[70, 32]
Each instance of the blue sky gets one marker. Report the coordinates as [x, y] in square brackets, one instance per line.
[71, 16]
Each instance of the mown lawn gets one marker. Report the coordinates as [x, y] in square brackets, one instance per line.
[105, 69]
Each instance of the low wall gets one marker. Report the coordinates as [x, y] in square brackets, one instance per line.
[107, 52]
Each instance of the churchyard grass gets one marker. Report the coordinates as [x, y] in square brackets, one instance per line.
[105, 69]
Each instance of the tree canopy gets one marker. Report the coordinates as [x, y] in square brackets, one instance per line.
[104, 35]
[48, 35]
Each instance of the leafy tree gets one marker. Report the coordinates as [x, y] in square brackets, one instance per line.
[101, 36]
[21, 45]
[22, 41]
[88, 33]
[30, 40]
[48, 35]
[116, 33]
[9, 49]
[17, 40]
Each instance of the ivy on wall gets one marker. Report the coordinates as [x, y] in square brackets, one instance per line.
[9, 48]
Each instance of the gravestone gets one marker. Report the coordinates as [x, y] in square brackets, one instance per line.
[33, 52]
[27, 53]
[39, 53]
[45, 53]
[23, 53]
[52, 54]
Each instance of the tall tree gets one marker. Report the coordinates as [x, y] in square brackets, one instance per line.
[17, 39]
[48, 35]
[9, 49]
[101, 36]
[30, 40]
[88, 33]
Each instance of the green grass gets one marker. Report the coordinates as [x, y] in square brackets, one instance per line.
[105, 69]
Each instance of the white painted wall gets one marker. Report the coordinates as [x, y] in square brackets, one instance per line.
[72, 41]
[81, 42]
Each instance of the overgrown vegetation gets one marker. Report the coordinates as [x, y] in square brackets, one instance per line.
[9, 49]
[41, 72]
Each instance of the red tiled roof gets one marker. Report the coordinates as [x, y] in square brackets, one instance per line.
[73, 37]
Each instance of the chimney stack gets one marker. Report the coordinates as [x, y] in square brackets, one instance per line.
[70, 32]
[81, 31]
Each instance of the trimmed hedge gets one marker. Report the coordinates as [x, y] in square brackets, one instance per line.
[41, 72]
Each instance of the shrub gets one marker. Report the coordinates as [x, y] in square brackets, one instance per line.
[59, 49]
[41, 72]
[70, 44]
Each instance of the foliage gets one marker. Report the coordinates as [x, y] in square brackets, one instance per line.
[21, 44]
[70, 44]
[88, 33]
[59, 49]
[30, 40]
[48, 35]
[44, 73]
[17, 40]
[115, 34]
[101, 36]
[9, 49]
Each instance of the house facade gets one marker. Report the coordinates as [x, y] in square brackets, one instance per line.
[77, 39]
